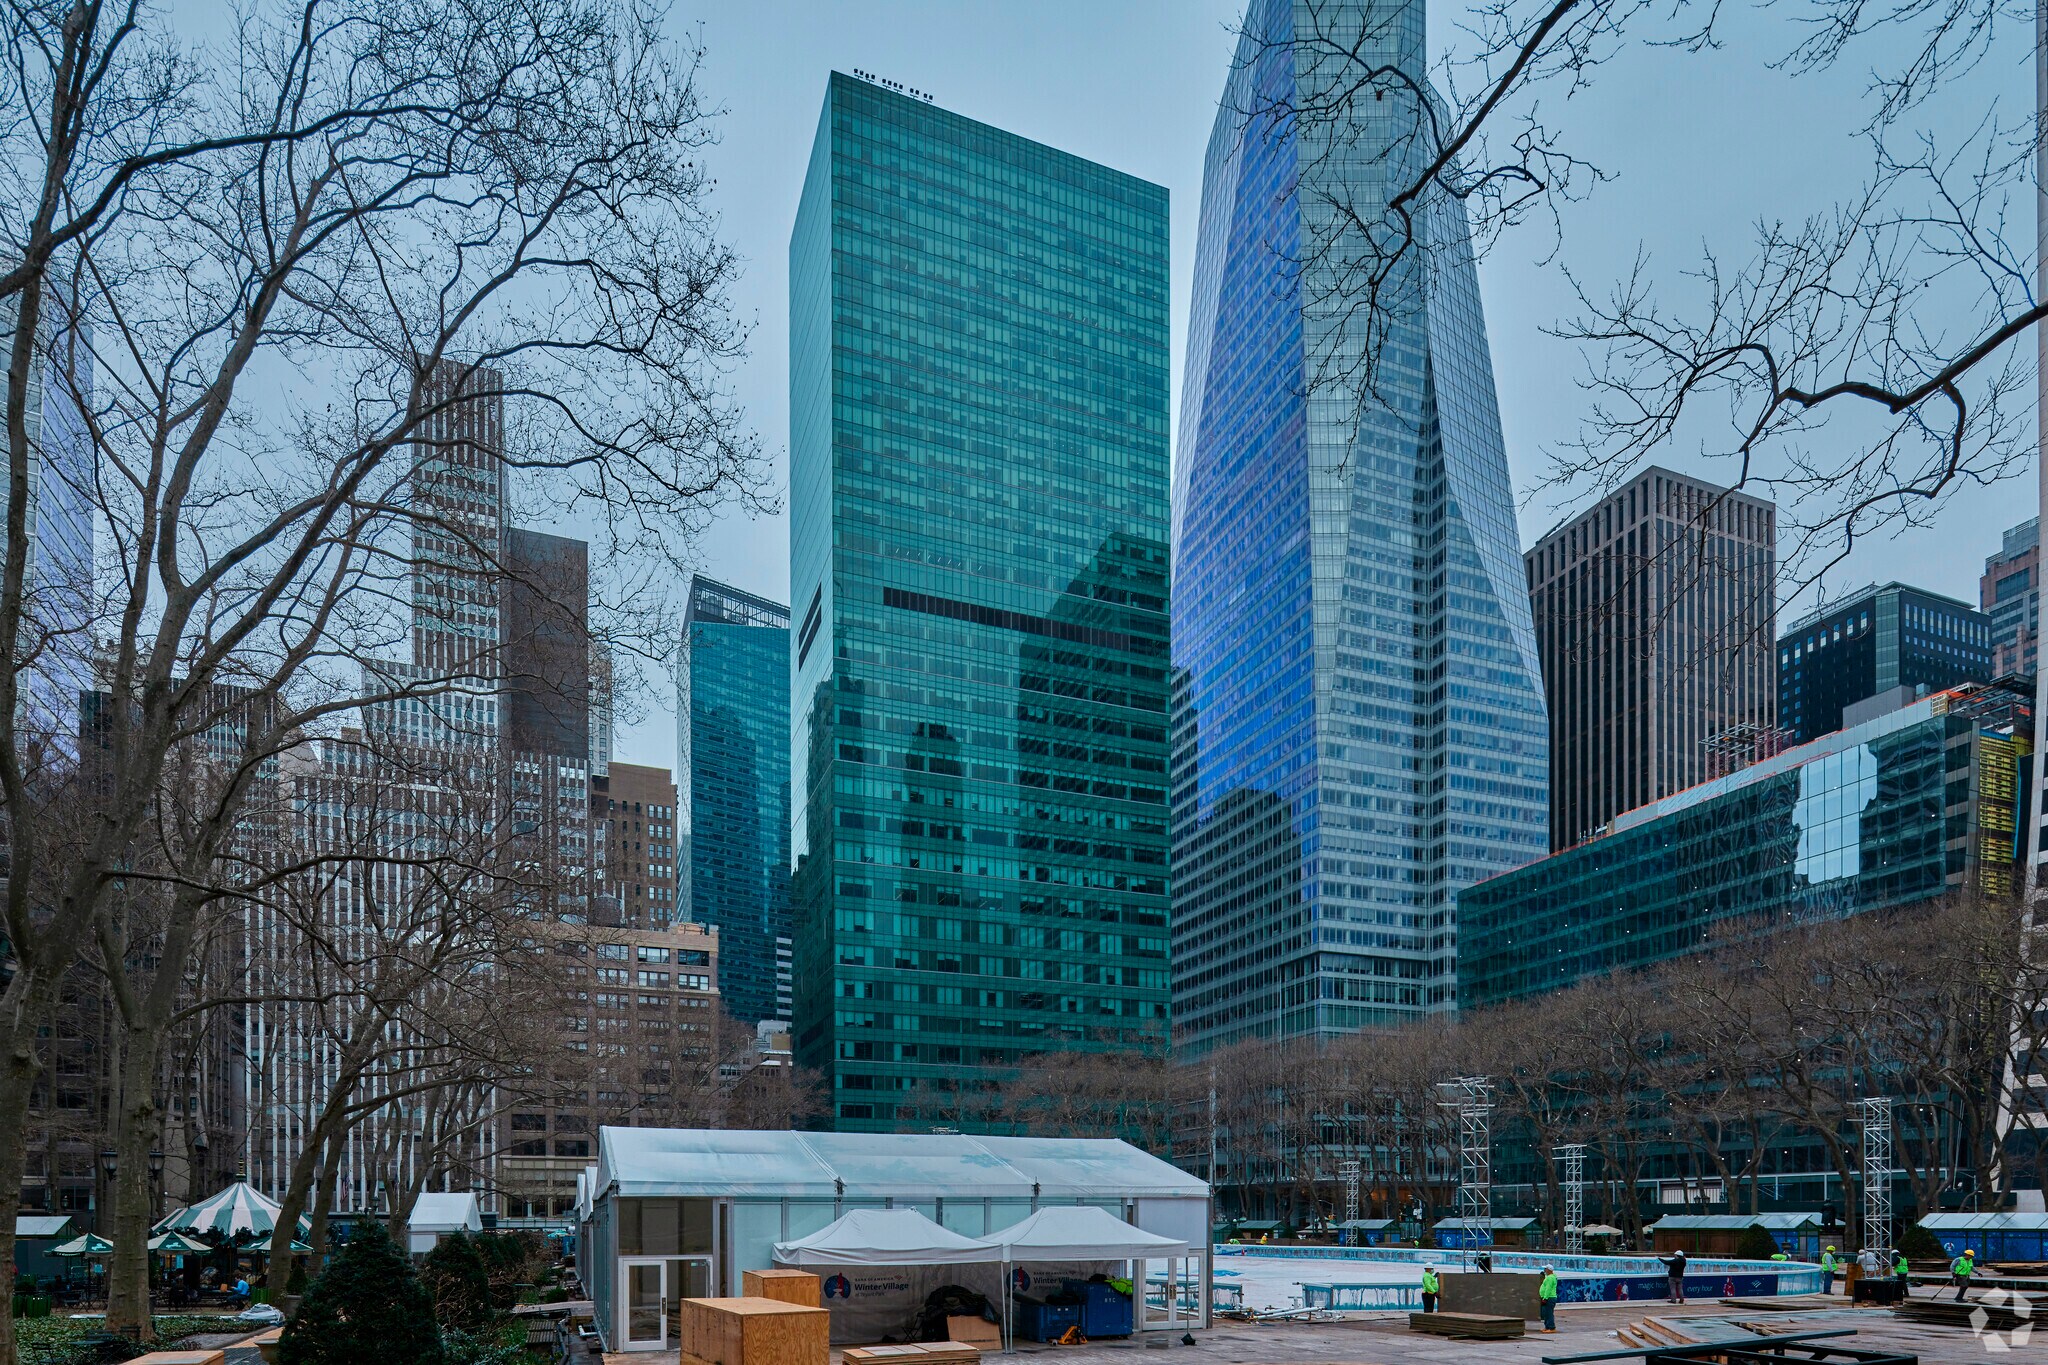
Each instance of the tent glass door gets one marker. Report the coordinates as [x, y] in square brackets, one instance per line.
[645, 1325]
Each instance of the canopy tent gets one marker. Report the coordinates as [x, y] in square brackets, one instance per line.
[885, 1237]
[435, 1216]
[1081, 1232]
[92, 1244]
[238, 1213]
[1602, 1230]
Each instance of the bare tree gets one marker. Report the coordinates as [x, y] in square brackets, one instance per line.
[268, 283]
[1893, 319]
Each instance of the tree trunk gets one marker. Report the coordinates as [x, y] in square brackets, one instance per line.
[135, 1120]
[18, 1069]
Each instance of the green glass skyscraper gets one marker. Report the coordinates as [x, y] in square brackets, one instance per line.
[978, 562]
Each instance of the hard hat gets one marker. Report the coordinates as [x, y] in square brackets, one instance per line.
[1830, 1248]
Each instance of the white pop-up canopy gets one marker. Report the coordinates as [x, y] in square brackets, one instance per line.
[885, 1237]
[1081, 1232]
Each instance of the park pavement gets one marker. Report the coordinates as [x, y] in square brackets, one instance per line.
[1384, 1339]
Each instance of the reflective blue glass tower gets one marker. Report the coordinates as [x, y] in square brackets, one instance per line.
[55, 643]
[732, 778]
[1359, 726]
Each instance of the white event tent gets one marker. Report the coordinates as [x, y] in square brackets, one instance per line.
[683, 1213]
[871, 1238]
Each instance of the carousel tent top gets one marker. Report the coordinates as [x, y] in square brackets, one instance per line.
[238, 1213]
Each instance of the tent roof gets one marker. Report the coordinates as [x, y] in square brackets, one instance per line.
[1734, 1222]
[42, 1225]
[1366, 1224]
[1510, 1224]
[1253, 1224]
[1985, 1222]
[446, 1213]
[884, 1237]
[1081, 1232]
[649, 1163]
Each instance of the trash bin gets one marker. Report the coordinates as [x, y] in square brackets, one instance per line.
[1104, 1312]
[1046, 1321]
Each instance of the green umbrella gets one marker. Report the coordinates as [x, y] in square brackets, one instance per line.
[176, 1243]
[92, 1244]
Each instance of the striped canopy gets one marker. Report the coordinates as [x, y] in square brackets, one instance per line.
[92, 1244]
[177, 1244]
[238, 1213]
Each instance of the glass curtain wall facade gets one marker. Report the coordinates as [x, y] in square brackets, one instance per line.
[733, 761]
[56, 629]
[1887, 813]
[977, 545]
[979, 489]
[1872, 642]
[1359, 726]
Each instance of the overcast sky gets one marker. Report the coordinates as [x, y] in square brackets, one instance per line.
[1700, 145]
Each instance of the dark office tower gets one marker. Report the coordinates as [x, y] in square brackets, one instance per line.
[459, 495]
[732, 766]
[1654, 616]
[1879, 645]
[978, 390]
[545, 663]
[1361, 728]
[2010, 592]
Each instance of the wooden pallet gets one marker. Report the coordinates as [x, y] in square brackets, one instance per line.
[1466, 1326]
[914, 1353]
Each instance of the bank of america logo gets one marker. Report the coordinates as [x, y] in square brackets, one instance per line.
[2013, 1338]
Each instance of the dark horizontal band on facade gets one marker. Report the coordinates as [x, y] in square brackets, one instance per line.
[954, 609]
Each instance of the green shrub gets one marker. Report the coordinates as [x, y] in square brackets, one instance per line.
[368, 1305]
[457, 1274]
[479, 1348]
[1921, 1245]
[1756, 1243]
[296, 1285]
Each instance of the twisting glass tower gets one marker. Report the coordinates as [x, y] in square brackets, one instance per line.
[1359, 722]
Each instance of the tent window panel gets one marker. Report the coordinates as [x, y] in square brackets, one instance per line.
[664, 1227]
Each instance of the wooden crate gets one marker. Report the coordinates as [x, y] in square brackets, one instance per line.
[913, 1353]
[787, 1286]
[752, 1331]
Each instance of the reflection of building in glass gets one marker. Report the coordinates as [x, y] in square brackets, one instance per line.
[1654, 614]
[732, 766]
[1359, 723]
[1896, 810]
[2010, 593]
[978, 390]
[1871, 644]
[54, 643]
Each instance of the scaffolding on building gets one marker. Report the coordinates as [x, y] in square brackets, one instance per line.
[1874, 1116]
[1737, 747]
[1571, 1156]
[1471, 1099]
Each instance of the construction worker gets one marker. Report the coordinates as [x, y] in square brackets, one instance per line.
[1431, 1287]
[1546, 1298]
[1903, 1273]
[1828, 1265]
[1674, 1276]
[1959, 1271]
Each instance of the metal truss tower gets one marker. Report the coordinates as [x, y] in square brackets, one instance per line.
[1471, 1098]
[1572, 1156]
[1352, 1173]
[1875, 1117]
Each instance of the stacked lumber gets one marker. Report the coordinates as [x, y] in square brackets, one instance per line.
[183, 1358]
[751, 1332]
[785, 1286]
[915, 1353]
[1466, 1326]
[1654, 1334]
[2000, 1317]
